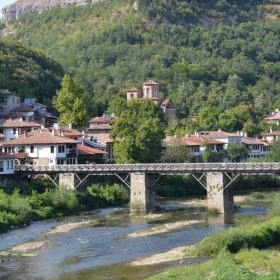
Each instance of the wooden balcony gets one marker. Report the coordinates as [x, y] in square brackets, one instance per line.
[20, 155]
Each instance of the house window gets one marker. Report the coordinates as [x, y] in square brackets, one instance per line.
[18, 101]
[8, 165]
[31, 149]
[71, 161]
[1, 130]
[52, 149]
[61, 149]
[60, 161]
[14, 131]
[12, 164]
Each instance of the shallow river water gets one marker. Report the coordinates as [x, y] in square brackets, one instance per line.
[101, 250]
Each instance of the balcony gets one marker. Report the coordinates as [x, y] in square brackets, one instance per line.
[20, 155]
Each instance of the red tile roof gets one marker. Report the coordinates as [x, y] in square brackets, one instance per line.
[18, 123]
[100, 127]
[133, 89]
[86, 151]
[103, 119]
[272, 133]
[38, 137]
[5, 155]
[151, 82]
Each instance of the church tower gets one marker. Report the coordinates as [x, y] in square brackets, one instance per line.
[151, 89]
[133, 93]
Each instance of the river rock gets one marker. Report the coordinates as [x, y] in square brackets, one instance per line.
[23, 7]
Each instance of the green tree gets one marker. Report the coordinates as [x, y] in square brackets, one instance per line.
[137, 132]
[236, 152]
[274, 154]
[177, 151]
[208, 155]
[71, 103]
[117, 105]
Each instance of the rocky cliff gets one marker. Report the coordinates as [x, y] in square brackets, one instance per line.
[22, 7]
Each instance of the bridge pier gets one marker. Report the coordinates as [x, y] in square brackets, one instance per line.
[69, 180]
[217, 196]
[142, 192]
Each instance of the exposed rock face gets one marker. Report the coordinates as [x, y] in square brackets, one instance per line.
[22, 7]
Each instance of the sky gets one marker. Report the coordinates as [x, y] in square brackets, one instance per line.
[4, 3]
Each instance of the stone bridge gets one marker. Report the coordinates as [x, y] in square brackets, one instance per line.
[218, 179]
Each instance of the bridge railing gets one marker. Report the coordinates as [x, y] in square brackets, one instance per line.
[269, 167]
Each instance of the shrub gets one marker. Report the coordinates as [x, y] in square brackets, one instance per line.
[64, 199]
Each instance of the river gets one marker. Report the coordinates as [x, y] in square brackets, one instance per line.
[101, 250]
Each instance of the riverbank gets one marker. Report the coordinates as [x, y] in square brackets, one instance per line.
[233, 250]
[23, 203]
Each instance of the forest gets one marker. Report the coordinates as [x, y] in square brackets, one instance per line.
[28, 72]
[216, 60]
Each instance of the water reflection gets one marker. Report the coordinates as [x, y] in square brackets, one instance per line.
[101, 251]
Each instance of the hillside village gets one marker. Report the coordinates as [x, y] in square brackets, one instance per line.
[30, 135]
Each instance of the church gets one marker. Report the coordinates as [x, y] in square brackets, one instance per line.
[151, 91]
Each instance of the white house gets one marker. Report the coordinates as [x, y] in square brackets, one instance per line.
[12, 101]
[196, 143]
[7, 163]
[12, 129]
[42, 147]
[103, 142]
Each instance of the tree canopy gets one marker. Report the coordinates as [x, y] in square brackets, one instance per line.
[236, 152]
[71, 102]
[28, 72]
[177, 151]
[274, 153]
[137, 132]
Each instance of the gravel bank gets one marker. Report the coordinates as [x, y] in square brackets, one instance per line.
[162, 229]
[30, 246]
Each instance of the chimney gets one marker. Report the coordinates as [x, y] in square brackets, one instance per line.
[219, 129]
[83, 142]
[187, 135]
[245, 134]
[270, 129]
[25, 133]
[175, 135]
[70, 125]
[61, 133]
[53, 132]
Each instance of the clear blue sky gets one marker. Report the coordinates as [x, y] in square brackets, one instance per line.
[4, 3]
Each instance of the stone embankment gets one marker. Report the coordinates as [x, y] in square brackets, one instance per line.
[22, 7]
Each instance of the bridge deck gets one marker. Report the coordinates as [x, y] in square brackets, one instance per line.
[162, 168]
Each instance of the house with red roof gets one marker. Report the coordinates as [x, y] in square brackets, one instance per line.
[42, 147]
[274, 117]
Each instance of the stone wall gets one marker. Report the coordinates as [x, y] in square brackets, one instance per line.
[217, 196]
[142, 194]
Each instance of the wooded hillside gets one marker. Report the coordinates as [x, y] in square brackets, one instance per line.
[209, 57]
[28, 72]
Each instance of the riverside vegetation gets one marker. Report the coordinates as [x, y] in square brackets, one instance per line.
[235, 251]
[25, 201]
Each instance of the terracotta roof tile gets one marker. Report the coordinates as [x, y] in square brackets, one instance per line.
[100, 127]
[84, 151]
[250, 141]
[103, 119]
[37, 137]
[133, 89]
[151, 82]
[5, 155]
[276, 132]
[18, 123]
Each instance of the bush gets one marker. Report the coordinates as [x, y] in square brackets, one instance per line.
[64, 199]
